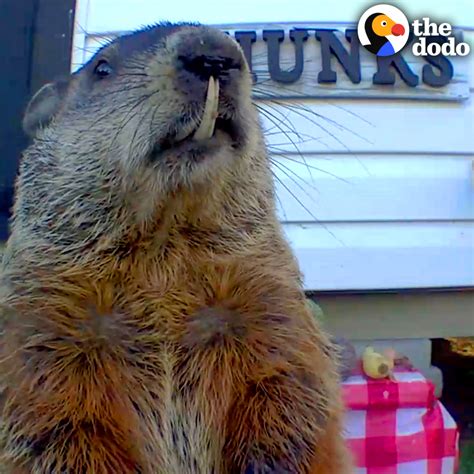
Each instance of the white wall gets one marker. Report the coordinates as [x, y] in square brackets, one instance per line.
[119, 15]
[385, 187]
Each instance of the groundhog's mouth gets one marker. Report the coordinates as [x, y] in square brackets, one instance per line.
[205, 130]
[228, 128]
[208, 127]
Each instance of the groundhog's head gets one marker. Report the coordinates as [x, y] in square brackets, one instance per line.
[170, 102]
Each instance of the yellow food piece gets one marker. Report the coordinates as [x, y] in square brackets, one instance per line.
[375, 365]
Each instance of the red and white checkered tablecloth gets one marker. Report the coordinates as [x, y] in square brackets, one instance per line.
[399, 427]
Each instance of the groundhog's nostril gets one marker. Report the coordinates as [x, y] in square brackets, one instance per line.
[205, 66]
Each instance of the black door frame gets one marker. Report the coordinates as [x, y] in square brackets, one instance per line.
[36, 38]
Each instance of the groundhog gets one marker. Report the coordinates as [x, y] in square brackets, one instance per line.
[153, 315]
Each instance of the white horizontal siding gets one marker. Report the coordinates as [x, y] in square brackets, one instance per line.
[375, 188]
[120, 15]
[373, 194]
[384, 255]
[376, 126]
[469, 38]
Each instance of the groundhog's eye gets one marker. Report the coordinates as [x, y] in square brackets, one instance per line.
[384, 23]
[103, 69]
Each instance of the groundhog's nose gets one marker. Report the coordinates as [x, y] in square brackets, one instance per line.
[206, 65]
[203, 53]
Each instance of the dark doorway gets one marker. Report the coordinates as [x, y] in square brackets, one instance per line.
[35, 47]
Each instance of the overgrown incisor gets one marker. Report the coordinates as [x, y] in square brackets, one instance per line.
[153, 318]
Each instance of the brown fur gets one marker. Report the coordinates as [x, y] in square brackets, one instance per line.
[153, 319]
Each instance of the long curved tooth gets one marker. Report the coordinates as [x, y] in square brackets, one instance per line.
[208, 121]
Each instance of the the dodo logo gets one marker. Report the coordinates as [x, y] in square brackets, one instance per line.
[383, 30]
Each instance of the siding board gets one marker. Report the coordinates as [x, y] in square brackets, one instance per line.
[376, 188]
[359, 256]
[113, 15]
[373, 126]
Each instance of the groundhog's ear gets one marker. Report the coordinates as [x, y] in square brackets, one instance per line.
[43, 106]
